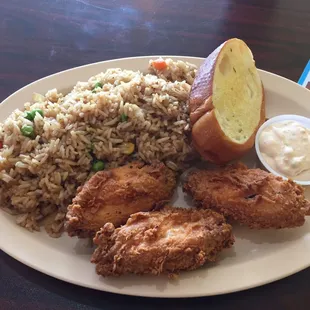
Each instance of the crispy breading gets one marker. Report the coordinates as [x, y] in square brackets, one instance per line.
[253, 197]
[113, 195]
[165, 241]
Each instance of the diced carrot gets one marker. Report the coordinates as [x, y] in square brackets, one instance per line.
[159, 64]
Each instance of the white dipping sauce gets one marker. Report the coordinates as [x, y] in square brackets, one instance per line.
[286, 148]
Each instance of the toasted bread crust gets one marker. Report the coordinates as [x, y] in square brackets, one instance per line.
[202, 86]
[211, 142]
[207, 136]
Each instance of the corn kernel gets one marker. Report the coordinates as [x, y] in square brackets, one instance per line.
[128, 148]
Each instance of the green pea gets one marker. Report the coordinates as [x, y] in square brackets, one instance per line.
[98, 165]
[30, 115]
[38, 111]
[124, 118]
[98, 84]
[28, 131]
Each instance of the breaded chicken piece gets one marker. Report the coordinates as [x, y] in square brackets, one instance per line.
[113, 195]
[252, 197]
[165, 241]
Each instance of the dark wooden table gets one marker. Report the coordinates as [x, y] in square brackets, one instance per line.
[40, 37]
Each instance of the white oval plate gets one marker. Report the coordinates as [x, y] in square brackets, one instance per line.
[258, 257]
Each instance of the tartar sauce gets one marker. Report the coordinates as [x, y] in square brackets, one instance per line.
[286, 148]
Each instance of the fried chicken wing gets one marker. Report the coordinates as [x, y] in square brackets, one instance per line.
[113, 195]
[165, 241]
[252, 197]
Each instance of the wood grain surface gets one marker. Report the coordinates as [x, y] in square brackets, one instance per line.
[41, 37]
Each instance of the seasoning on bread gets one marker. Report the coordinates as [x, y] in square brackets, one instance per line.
[226, 103]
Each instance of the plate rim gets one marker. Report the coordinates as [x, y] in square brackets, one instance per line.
[116, 290]
[133, 58]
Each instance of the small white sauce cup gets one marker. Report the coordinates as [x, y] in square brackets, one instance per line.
[277, 119]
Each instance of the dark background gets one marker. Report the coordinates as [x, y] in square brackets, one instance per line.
[38, 38]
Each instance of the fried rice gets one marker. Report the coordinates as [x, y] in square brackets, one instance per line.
[39, 176]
